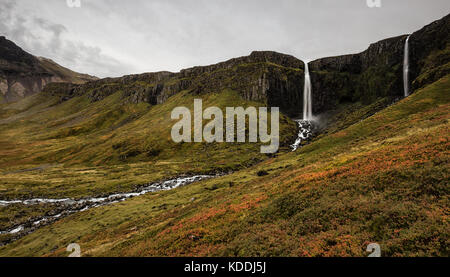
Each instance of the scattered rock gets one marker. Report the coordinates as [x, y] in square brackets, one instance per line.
[262, 173]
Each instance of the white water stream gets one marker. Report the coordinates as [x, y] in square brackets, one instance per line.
[83, 204]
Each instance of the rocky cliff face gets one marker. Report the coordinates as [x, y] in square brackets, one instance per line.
[14, 87]
[367, 76]
[430, 53]
[269, 77]
[22, 74]
[378, 71]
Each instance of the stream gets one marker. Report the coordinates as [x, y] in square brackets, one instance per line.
[79, 205]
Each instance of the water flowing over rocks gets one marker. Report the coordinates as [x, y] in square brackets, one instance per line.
[305, 133]
[67, 206]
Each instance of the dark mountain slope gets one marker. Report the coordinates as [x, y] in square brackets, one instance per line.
[22, 74]
[430, 53]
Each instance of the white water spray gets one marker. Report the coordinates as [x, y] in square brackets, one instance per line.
[307, 99]
[406, 68]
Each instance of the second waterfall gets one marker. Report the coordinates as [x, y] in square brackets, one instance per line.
[307, 97]
[406, 68]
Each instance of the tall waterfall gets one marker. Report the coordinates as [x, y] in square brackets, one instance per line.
[305, 125]
[406, 68]
[307, 98]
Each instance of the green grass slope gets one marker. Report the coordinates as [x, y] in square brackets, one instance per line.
[383, 179]
[79, 148]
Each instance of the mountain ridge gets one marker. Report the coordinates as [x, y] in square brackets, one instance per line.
[265, 76]
[22, 74]
[278, 80]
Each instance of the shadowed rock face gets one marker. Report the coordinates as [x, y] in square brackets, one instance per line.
[22, 74]
[14, 60]
[15, 87]
[433, 38]
[268, 77]
[377, 72]
[367, 76]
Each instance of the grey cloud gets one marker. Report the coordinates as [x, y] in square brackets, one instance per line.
[113, 37]
[42, 37]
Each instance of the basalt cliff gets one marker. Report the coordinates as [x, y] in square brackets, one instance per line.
[377, 72]
[273, 78]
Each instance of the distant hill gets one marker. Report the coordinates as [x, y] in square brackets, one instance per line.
[22, 74]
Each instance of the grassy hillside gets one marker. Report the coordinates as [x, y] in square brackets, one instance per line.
[118, 139]
[80, 148]
[383, 179]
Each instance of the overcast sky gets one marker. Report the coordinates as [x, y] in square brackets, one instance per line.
[116, 37]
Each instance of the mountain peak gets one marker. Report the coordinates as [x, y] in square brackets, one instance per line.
[22, 73]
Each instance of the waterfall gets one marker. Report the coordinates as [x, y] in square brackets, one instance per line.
[406, 68]
[307, 99]
[305, 125]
